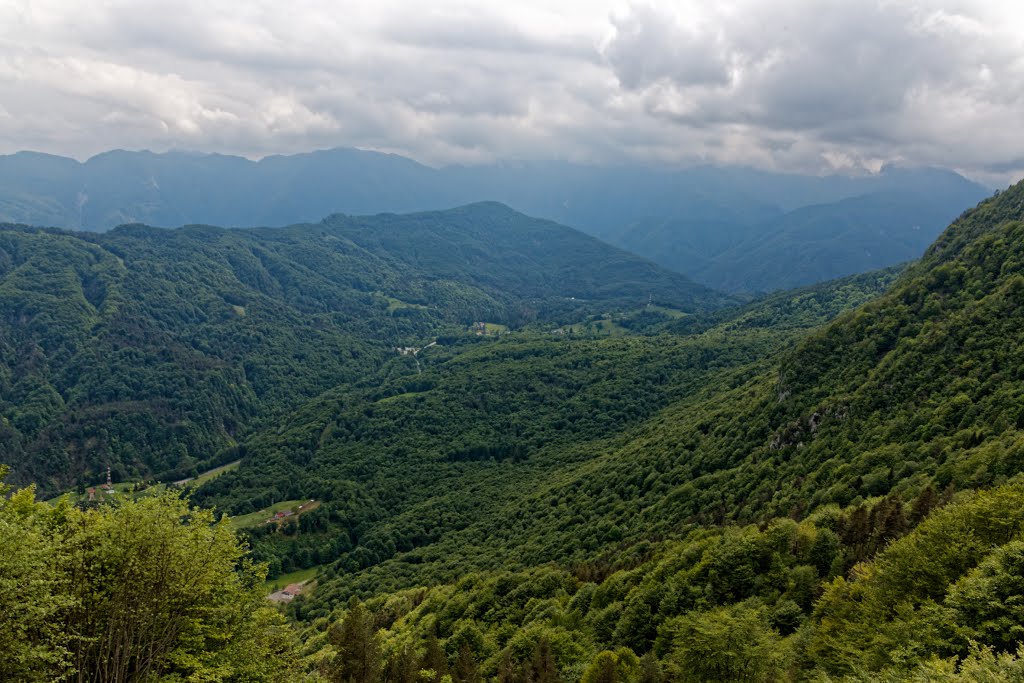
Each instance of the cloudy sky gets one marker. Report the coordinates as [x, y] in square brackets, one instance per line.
[809, 85]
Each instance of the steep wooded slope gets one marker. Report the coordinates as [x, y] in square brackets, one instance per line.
[417, 472]
[919, 387]
[864, 433]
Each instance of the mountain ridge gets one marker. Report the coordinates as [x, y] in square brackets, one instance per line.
[823, 483]
[916, 388]
[699, 221]
[153, 349]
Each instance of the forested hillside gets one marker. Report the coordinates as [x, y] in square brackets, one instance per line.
[823, 484]
[156, 351]
[731, 228]
[409, 467]
[808, 244]
[847, 452]
[816, 243]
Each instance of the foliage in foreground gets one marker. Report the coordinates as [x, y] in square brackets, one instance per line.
[788, 601]
[143, 590]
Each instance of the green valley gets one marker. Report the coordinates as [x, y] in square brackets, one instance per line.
[127, 350]
[489, 462]
[835, 444]
[635, 341]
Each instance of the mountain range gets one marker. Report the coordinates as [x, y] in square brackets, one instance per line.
[751, 500]
[733, 229]
[496, 448]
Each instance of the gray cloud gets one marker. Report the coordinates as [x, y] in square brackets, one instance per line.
[861, 79]
[651, 46]
[481, 31]
[809, 85]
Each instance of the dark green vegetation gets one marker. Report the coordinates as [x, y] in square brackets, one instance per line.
[156, 352]
[789, 517]
[730, 228]
[739, 603]
[419, 471]
[824, 484]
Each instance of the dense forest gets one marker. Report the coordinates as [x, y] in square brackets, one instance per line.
[632, 483]
[155, 352]
[428, 458]
[847, 509]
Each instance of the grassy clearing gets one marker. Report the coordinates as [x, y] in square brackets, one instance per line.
[670, 312]
[260, 516]
[297, 576]
[488, 329]
[215, 472]
[124, 488]
[397, 304]
[267, 514]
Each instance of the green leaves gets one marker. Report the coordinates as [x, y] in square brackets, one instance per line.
[723, 645]
[952, 581]
[358, 658]
[34, 588]
[140, 590]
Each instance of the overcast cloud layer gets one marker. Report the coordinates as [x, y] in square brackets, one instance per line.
[809, 85]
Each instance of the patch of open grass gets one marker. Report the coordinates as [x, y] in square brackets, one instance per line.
[266, 514]
[490, 329]
[122, 489]
[670, 312]
[215, 472]
[297, 576]
[397, 304]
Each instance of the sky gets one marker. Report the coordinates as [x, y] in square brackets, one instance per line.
[796, 85]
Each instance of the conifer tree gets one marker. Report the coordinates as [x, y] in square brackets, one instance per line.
[923, 504]
[359, 658]
[507, 670]
[434, 658]
[401, 667]
[466, 669]
[544, 668]
[650, 669]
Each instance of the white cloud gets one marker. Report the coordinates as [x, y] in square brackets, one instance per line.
[790, 84]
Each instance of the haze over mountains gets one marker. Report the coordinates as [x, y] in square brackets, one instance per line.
[832, 473]
[603, 341]
[734, 229]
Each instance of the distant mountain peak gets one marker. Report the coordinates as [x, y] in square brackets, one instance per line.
[710, 223]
